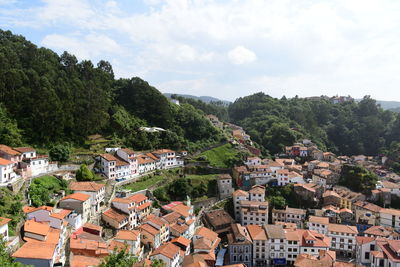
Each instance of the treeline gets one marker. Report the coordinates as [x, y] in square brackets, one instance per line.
[46, 98]
[217, 108]
[348, 128]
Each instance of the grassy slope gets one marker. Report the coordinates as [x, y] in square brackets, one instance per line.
[221, 156]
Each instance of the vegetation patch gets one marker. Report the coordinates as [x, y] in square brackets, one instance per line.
[43, 187]
[222, 157]
[11, 207]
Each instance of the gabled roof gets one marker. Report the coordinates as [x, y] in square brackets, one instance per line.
[162, 151]
[320, 220]
[256, 232]
[127, 235]
[77, 196]
[8, 150]
[86, 186]
[24, 149]
[364, 239]
[28, 209]
[341, 228]
[34, 227]
[84, 261]
[4, 162]
[168, 250]
[4, 221]
[206, 233]
[181, 240]
[115, 215]
[240, 193]
[36, 250]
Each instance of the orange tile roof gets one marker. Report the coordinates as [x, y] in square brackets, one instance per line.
[168, 250]
[24, 149]
[162, 151]
[145, 205]
[4, 162]
[257, 189]
[128, 151]
[8, 150]
[390, 211]
[137, 198]
[148, 228]
[93, 226]
[127, 235]
[364, 239]
[86, 186]
[61, 215]
[206, 233]
[52, 237]
[181, 240]
[240, 193]
[84, 261]
[115, 215]
[108, 157]
[317, 219]
[34, 227]
[181, 209]
[77, 196]
[35, 250]
[28, 209]
[256, 232]
[172, 217]
[341, 228]
[4, 221]
[143, 159]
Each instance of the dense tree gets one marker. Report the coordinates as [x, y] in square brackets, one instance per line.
[47, 99]
[346, 128]
[5, 259]
[60, 152]
[84, 174]
[119, 258]
[358, 179]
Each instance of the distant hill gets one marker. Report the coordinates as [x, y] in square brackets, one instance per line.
[388, 105]
[206, 99]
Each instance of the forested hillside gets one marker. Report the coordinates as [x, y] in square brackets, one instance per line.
[46, 98]
[348, 128]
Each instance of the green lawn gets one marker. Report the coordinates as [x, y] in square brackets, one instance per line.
[222, 156]
[196, 179]
[144, 183]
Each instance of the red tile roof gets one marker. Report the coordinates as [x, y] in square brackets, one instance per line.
[115, 215]
[34, 227]
[86, 186]
[168, 250]
[127, 235]
[4, 162]
[36, 250]
[77, 196]
[8, 150]
[4, 221]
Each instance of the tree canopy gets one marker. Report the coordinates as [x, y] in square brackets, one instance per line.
[49, 99]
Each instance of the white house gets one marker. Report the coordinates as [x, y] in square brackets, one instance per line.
[169, 254]
[318, 224]
[78, 202]
[129, 156]
[7, 173]
[95, 190]
[36, 254]
[390, 217]
[252, 161]
[167, 158]
[146, 163]
[131, 238]
[4, 228]
[364, 246]
[343, 238]
[114, 167]
[26, 152]
[38, 164]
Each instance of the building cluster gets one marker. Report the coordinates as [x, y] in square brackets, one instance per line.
[22, 162]
[125, 163]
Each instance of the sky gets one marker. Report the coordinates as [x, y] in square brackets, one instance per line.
[227, 48]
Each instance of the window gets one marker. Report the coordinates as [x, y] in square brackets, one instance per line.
[367, 255]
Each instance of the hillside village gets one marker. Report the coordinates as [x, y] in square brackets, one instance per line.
[322, 223]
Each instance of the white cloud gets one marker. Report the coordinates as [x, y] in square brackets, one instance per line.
[303, 47]
[241, 55]
[7, 2]
[84, 47]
